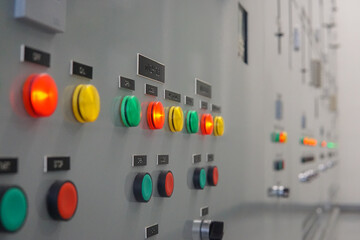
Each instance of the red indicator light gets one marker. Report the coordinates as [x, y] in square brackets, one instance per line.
[40, 95]
[155, 115]
[207, 124]
[309, 141]
[323, 144]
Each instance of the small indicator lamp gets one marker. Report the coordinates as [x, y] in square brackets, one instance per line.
[206, 124]
[155, 115]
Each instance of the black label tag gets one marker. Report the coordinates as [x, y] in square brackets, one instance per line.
[81, 70]
[189, 101]
[139, 160]
[173, 96]
[152, 230]
[35, 56]
[204, 211]
[202, 88]
[196, 158]
[215, 108]
[53, 164]
[126, 83]
[204, 105]
[151, 90]
[210, 157]
[150, 69]
[8, 165]
[162, 159]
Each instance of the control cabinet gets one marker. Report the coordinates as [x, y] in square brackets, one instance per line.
[164, 119]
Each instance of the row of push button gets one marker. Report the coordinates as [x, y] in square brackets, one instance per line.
[143, 184]
[62, 201]
[40, 98]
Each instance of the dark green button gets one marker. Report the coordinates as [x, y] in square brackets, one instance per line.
[13, 209]
[130, 111]
[275, 137]
[146, 187]
[192, 122]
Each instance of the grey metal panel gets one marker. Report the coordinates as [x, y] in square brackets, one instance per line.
[194, 39]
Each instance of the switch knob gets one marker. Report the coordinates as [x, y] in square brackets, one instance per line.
[166, 184]
[213, 176]
[192, 122]
[85, 103]
[207, 230]
[155, 115]
[199, 178]
[13, 208]
[176, 119]
[62, 200]
[130, 111]
[279, 191]
[206, 124]
[142, 187]
[40, 95]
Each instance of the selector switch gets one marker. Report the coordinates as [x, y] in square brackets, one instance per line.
[40, 95]
[206, 124]
[192, 122]
[213, 176]
[142, 187]
[86, 103]
[199, 178]
[166, 184]
[62, 200]
[219, 126]
[155, 115]
[176, 119]
[13, 208]
[207, 230]
[130, 111]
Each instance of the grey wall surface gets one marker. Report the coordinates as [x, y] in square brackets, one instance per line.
[194, 39]
[348, 101]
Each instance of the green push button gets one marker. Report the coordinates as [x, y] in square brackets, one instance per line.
[275, 137]
[13, 209]
[130, 111]
[202, 178]
[192, 122]
[146, 189]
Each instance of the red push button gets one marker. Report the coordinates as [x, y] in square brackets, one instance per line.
[166, 184]
[206, 124]
[40, 95]
[155, 115]
[62, 200]
[213, 176]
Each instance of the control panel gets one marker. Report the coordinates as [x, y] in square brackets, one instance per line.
[163, 119]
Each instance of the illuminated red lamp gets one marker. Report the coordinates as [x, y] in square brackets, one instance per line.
[155, 115]
[323, 144]
[283, 137]
[206, 124]
[308, 141]
[40, 95]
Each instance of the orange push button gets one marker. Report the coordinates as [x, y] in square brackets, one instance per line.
[40, 95]
[62, 200]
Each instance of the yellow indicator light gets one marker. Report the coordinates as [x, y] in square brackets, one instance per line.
[176, 119]
[86, 103]
[219, 126]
